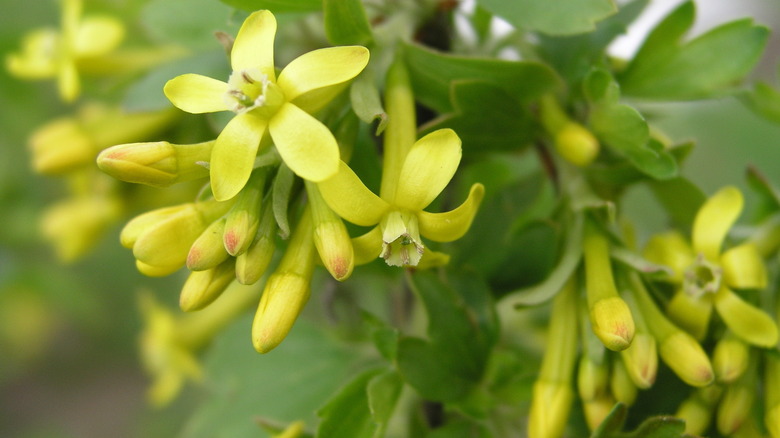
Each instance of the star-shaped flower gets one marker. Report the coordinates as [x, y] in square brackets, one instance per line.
[48, 53]
[427, 169]
[706, 275]
[266, 105]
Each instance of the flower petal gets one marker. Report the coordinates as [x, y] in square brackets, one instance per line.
[743, 267]
[346, 194]
[98, 36]
[714, 220]
[691, 314]
[313, 79]
[452, 225]
[196, 94]
[746, 321]
[305, 144]
[254, 45]
[428, 168]
[233, 156]
[672, 250]
[368, 246]
[35, 60]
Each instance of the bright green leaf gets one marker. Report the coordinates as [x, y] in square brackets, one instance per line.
[562, 17]
[347, 413]
[346, 23]
[432, 74]
[709, 65]
[276, 6]
[764, 100]
[383, 392]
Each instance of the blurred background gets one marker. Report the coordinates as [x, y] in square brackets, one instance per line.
[69, 364]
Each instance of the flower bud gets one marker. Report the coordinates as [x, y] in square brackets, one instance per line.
[597, 410]
[550, 407]
[734, 407]
[157, 164]
[610, 316]
[697, 409]
[330, 236]
[244, 218]
[686, 358]
[251, 265]
[641, 360]
[576, 144]
[620, 383]
[592, 379]
[61, 146]
[208, 251]
[287, 290]
[203, 287]
[730, 358]
[772, 394]
[76, 224]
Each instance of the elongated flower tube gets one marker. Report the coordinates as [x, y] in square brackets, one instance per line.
[157, 164]
[706, 274]
[48, 53]
[267, 105]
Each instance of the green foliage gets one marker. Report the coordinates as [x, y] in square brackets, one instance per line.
[560, 18]
[346, 22]
[655, 427]
[276, 6]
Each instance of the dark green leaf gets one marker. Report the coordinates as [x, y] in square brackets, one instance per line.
[562, 17]
[660, 427]
[423, 367]
[432, 74]
[711, 64]
[486, 118]
[681, 199]
[276, 6]
[346, 23]
[347, 414]
[281, 192]
[383, 392]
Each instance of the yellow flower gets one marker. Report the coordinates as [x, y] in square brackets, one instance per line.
[706, 275]
[427, 169]
[267, 105]
[48, 53]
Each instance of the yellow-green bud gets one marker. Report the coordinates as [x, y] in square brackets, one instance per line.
[697, 409]
[244, 218]
[162, 238]
[61, 146]
[610, 316]
[686, 358]
[157, 164]
[592, 379]
[597, 410]
[75, 225]
[287, 290]
[203, 287]
[621, 385]
[730, 358]
[734, 407]
[549, 409]
[330, 236]
[251, 265]
[576, 144]
[641, 360]
[772, 394]
[208, 251]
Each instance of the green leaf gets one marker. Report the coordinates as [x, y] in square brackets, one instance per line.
[462, 328]
[383, 393]
[764, 100]
[243, 384]
[562, 17]
[194, 24]
[432, 73]
[276, 6]
[347, 414]
[653, 427]
[681, 199]
[281, 193]
[570, 259]
[624, 130]
[709, 65]
[346, 23]
[612, 425]
[486, 118]
[364, 95]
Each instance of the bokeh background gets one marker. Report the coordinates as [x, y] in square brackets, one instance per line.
[69, 363]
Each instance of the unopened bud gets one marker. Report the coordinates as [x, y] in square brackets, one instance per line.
[576, 144]
[549, 409]
[592, 379]
[697, 409]
[734, 407]
[75, 225]
[621, 385]
[61, 146]
[597, 410]
[772, 394]
[730, 358]
[157, 164]
[244, 218]
[612, 322]
[330, 236]
[208, 251]
[641, 360]
[203, 287]
[686, 358]
[251, 265]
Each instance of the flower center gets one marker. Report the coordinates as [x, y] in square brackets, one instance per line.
[251, 90]
[401, 243]
[702, 277]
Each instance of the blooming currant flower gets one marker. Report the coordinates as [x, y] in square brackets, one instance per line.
[264, 104]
